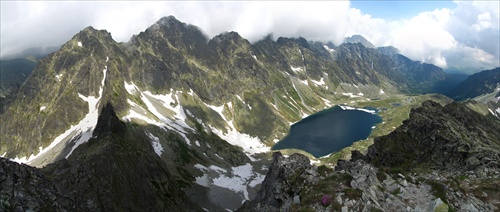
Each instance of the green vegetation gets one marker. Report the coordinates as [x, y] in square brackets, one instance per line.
[351, 193]
[438, 189]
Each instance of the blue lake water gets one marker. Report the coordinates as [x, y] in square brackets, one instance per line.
[329, 131]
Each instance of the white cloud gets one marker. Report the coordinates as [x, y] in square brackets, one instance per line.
[423, 37]
[441, 36]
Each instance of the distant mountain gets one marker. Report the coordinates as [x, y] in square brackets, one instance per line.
[32, 53]
[478, 84]
[13, 73]
[359, 39]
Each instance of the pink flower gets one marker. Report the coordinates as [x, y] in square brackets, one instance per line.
[326, 200]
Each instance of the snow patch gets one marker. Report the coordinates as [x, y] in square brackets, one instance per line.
[42, 108]
[88, 123]
[134, 115]
[493, 112]
[131, 88]
[304, 82]
[80, 43]
[250, 145]
[345, 107]
[328, 49]
[239, 97]
[296, 69]
[320, 82]
[254, 57]
[170, 101]
[197, 143]
[155, 142]
[219, 156]
[326, 101]
[178, 123]
[351, 95]
[58, 76]
[237, 179]
[381, 91]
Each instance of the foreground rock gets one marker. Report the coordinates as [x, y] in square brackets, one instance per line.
[286, 180]
[24, 188]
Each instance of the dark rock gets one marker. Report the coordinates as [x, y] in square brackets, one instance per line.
[24, 188]
[286, 179]
[357, 155]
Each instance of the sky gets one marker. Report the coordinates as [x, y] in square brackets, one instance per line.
[454, 35]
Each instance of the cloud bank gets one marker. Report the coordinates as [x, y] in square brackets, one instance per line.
[465, 37]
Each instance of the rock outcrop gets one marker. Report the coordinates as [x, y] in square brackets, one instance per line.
[286, 180]
[24, 188]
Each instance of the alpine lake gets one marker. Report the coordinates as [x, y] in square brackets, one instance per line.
[330, 130]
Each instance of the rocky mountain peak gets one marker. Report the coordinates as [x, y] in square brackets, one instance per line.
[359, 39]
[90, 37]
[169, 26]
[227, 38]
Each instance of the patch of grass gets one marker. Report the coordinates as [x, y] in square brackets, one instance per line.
[409, 179]
[336, 206]
[324, 170]
[396, 191]
[438, 189]
[352, 193]
[461, 177]
[374, 209]
[420, 179]
[381, 176]
[306, 209]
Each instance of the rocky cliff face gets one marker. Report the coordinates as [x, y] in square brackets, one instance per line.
[285, 181]
[440, 159]
[117, 170]
[25, 188]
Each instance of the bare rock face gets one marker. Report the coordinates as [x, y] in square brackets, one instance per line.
[24, 188]
[286, 179]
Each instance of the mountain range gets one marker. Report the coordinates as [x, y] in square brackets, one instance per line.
[182, 118]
